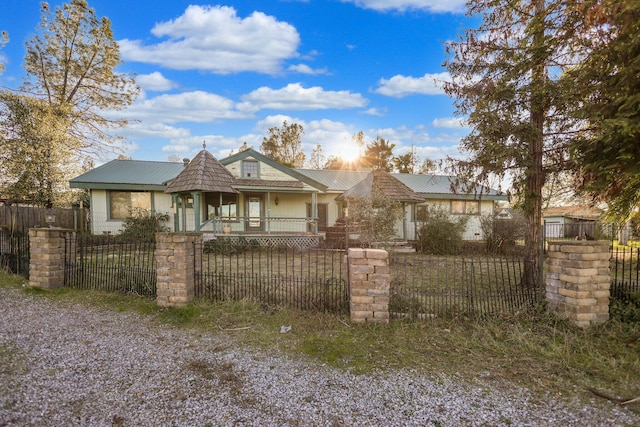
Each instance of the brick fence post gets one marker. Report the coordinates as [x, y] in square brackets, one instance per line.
[369, 281]
[46, 258]
[176, 255]
[578, 281]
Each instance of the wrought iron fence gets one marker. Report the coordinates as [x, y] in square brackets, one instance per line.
[111, 263]
[624, 266]
[426, 286]
[307, 279]
[14, 252]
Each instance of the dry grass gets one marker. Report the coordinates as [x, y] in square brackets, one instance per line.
[530, 349]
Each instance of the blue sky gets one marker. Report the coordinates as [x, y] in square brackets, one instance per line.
[226, 72]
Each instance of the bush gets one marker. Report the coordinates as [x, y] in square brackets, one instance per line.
[375, 218]
[438, 233]
[143, 224]
[626, 309]
[500, 235]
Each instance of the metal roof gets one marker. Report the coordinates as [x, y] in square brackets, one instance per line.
[335, 180]
[440, 186]
[128, 175]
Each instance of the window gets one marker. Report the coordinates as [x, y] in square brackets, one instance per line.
[250, 169]
[122, 203]
[465, 207]
[228, 210]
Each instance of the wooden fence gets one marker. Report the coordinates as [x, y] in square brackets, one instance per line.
[22, 218]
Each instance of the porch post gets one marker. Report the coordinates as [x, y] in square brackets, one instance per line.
[176, 218]
[268, 212]
[314, 210]
[196, 210]
[184, 213]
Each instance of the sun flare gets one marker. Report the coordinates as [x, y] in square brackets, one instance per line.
[349, 153]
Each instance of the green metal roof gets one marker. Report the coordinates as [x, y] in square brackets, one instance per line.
[335, 180]
[439, 187]
[128, 175]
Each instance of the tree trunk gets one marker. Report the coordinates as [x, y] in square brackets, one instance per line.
[535, 174]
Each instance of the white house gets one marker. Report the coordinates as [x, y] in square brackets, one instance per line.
[254, 195]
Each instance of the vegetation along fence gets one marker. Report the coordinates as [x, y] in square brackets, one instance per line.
[625, 273]
[22, 218]
[306, 279]
[426, 286]
[111, 263]
[14, 252]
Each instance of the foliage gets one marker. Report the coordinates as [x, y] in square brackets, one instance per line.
[427, 167]
[505, 78]
[35, 151]
[627, 310]
[318, 159]
[607, 149]
[406, 163]
[438, 233]
[284, 145]
[500, 235]
[379, 154]
[143, 224]
[374, 218]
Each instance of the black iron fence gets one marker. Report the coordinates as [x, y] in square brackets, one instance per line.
[625, 272]
[111, 263]
[426, 286]
[14, 252]
[306, 279]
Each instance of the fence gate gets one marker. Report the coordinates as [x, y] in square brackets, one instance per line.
[111, 263]
[14, 252]
[302, 278]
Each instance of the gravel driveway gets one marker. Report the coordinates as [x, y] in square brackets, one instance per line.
[71, 365]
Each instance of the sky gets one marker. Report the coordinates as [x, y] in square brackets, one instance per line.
[224, 73]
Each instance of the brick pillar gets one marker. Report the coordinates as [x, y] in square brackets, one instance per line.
[578, 281]
[369, 280]
[46, 259]
[175, 261]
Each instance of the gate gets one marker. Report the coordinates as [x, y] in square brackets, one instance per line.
[305, 279]
[14, 252]
[111, 263]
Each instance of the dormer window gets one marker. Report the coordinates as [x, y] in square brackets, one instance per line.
[250, 169]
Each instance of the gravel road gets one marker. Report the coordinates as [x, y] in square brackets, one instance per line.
[69, 365]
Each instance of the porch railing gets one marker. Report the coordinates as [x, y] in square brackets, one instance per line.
[268, 225]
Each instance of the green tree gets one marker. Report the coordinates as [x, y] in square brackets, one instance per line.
[406, 163]
[379, 154]
[505, 80]
[34, 150]
[284, 145]
[427, 167]
[72, 64]
[607, 150]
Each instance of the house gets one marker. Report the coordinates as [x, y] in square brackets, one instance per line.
[579, 221]
[247, 193]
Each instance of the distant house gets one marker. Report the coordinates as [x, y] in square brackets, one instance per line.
[577, 221]
[249, 194]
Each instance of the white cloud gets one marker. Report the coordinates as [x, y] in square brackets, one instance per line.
[218, 145]
[295, 97]
[154, 130]
[155, 82]
[215, 39]
[191, 107]
[375, 112]
[449, 123]
[400, 86]
[404, 5]
[305, 69]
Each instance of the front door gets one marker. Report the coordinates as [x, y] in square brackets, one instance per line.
[255, 213]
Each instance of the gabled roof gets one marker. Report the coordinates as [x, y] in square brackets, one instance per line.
[294, 173]
[574, 212]
[128, 175]
[440, 187]
[383, 183]
[203, 173]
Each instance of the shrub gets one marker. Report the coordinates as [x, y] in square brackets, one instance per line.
[438, 233]
[143, 224]
[500, 235]
[375, 218]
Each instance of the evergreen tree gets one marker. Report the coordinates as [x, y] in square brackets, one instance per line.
[284, 145]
